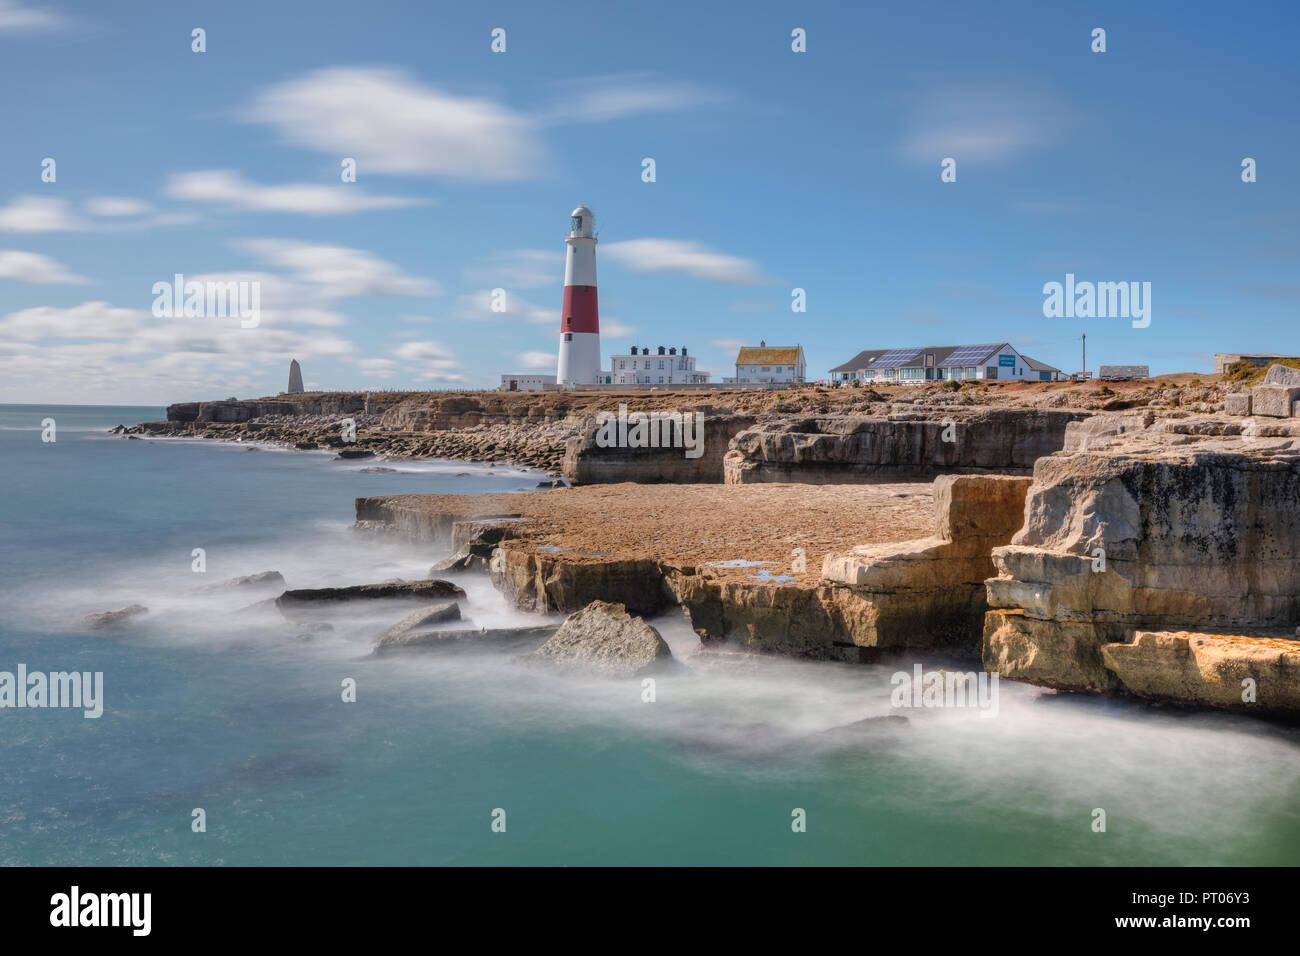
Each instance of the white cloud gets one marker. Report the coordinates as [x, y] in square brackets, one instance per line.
[340, 272]
[604, 98]
[520, 269]
[229, 187]
[38, 214]
[378, 367]
[103, 352]
[431, 354]
[981, 124]
[478, 305]
[616, 329]
[51, 214]
[16, 16]
[34, 267]
[281, 301]
[391, 123]
[536, 359]
[90, 320]
[114, 206]
[685, 257]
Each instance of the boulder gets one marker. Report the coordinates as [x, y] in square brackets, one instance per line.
[421, 619]
[603, 638]
[1282, 375]
[459, 562]
[1273, 401]
[263, 579]
[1237, 403]
[114, 618]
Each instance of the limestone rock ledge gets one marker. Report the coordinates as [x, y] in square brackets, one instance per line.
[1228, 671]
[901, 443]
[1142, 527]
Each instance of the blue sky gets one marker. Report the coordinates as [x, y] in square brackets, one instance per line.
[774, 170]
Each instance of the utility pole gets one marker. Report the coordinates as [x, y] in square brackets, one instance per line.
[1085, 354]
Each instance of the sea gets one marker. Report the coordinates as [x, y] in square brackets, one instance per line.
[228, 737]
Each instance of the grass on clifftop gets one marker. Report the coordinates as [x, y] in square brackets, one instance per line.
[1248, 374]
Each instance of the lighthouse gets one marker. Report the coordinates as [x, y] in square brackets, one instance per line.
[580, 319]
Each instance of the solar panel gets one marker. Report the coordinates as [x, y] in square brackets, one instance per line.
[967, 354]
[895, 358]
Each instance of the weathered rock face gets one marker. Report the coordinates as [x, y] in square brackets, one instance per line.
[239, 411]
[924, 593]
[295, 378]
[1240, 673]
[902, 444]
[1175, 526]
[916, 594]
[603, 638]
[550, 581]
[586, 462]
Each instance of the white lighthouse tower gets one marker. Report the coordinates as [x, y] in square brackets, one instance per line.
[580, 320]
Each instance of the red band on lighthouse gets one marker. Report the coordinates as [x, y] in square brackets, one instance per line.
[580, 311]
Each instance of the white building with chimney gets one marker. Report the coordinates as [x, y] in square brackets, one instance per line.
[660, 366]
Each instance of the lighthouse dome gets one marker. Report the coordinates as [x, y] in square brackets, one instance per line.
[581, 223]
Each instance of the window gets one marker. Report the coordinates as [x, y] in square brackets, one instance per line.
[661, 365]
[622, 364]
[568, 336]
[577, 224]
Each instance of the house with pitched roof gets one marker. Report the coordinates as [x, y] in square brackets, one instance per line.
[769, 364]
[916, 364]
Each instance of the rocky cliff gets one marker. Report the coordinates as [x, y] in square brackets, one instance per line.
[897, 443]
[899, 593]
[586, 462]
[1152, 526]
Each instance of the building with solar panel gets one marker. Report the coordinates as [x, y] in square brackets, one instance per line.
[917, 364]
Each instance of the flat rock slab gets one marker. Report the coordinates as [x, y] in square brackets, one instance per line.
[501, 638]
[393, 589]
[603, 638]
[425, 616]
[738, 531]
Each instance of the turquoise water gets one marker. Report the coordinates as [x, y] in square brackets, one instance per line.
[206, 708]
